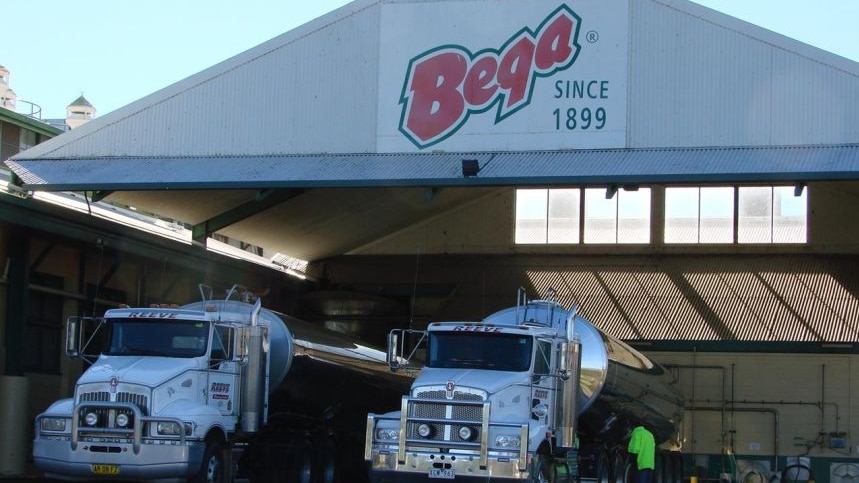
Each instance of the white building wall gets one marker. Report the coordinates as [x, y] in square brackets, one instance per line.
[738, 396]
[702, 78]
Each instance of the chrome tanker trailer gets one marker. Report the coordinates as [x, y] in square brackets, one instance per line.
[216, 387]
[532, 393]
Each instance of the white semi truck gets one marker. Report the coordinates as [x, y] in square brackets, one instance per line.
[210, 390]
[531, 393]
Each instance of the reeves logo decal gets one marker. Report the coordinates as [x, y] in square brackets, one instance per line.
[445, 85]
[220, 390]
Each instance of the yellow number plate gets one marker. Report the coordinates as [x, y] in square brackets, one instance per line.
[105, 469]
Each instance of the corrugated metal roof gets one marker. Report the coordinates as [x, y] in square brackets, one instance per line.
[599, 167]
[746, 299]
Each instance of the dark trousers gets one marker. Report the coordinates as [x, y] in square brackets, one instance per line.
[645, 476]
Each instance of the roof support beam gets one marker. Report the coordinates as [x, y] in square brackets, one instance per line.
[265, 199]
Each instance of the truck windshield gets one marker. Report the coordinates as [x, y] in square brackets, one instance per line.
[140, 337]
[497, 352]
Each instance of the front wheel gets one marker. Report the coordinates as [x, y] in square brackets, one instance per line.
[212, 468]
[542, 469]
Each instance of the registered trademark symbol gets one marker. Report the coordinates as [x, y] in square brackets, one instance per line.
[593, 37]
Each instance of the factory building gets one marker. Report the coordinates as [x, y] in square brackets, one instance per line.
[688, 179]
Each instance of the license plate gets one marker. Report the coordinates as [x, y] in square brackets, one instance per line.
[105, 469]
[444, 474]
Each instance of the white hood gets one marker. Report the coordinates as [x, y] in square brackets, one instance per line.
[489, 381]
[144, 370]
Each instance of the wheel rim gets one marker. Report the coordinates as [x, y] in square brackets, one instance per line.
[304, 466]
[213, 467]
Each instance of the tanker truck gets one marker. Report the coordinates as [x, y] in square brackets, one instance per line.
[531, 393]
[212, 390]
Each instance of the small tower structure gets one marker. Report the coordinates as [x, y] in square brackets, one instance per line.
[79, 112]
[8, 98]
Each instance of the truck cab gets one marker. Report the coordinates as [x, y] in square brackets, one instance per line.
[494, 399]
[159, 400]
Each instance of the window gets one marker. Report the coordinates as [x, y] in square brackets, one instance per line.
[10, 136]
[543, 360]
[28, 139]
[764, 214]
[554, 216]
[466, 350]
[771, 215]
[531, 216]
[44, 326]
[222, 343]
[697, 214]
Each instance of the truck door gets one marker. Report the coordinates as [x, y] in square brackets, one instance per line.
[223, 370]
[542, 382]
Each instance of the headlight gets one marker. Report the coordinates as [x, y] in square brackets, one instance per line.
[425, 430]
[54, 424]
[388, 434]
[122, 420]
[91, 419]
[466, 433]
[507, 441]
[168, 429]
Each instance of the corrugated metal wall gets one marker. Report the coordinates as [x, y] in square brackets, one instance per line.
[701, 78]
[312, 89]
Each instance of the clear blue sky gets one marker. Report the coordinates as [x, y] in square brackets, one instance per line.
[117, 51]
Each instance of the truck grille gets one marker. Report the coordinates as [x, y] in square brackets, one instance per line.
[456, 413]
[138, 400]
[106, 417]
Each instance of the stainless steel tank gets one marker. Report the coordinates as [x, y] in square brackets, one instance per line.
[316, 372]
[619, 387]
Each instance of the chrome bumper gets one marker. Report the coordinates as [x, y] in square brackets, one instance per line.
[162, 462]
[418, 464]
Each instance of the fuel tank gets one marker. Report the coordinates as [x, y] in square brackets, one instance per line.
[619, 387]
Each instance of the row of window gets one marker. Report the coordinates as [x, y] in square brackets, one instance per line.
[693, 215]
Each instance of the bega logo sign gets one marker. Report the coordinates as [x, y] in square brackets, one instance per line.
[446, 84]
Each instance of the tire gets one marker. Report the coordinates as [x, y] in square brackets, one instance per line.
[676, 467]
[325, 461]
[623, 470]
[542, 469]
[212, 467]
[303, 461]
[661, 472]
[604, 467]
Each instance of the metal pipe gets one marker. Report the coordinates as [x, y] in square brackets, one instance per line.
[695, 368]
[772, 411]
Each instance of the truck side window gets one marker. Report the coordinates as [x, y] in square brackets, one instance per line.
[543, 361]
[222, 344]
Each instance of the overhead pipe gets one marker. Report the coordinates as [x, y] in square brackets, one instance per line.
[772, 411]
[63, 293]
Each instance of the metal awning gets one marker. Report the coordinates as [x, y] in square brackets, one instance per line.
[580, 167]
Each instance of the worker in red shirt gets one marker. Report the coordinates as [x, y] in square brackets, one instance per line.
[643, 446]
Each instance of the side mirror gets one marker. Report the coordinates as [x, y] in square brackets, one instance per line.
[399, 341]
[392, 357]
[73, 332]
